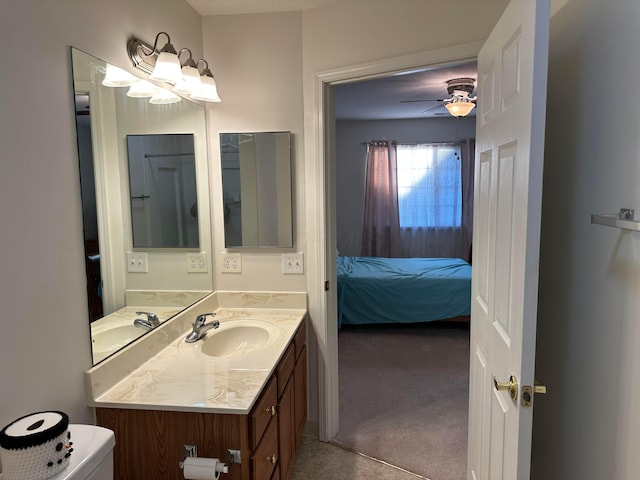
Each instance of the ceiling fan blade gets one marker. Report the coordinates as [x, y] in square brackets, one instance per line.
[425, 100]
[432, 108]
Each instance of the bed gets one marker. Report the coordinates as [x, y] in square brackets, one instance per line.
[402, 290]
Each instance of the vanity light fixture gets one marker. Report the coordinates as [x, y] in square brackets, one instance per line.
[145, 57]
[167, 68]
[117, 77]
[162, 97]
[208, 91]
[190, 81]
[142, 89]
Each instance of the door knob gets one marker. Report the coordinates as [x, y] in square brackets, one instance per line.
[511, 386]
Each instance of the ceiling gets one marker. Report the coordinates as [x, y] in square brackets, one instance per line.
[375, 99]
[384, 98]
[231, 7]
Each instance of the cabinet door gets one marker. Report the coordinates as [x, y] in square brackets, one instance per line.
[300, 396]
[287, 431]
[265, 457]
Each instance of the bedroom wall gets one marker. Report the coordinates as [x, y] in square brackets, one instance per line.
[44, 327]
[351, 135]
[588, 326]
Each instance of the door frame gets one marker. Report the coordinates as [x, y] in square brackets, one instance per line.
[320, 199]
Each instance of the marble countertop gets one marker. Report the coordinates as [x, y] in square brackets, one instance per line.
[180, 377]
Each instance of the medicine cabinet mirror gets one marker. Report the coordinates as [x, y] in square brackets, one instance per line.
[162, 190]
[118, 137]
[256, 188]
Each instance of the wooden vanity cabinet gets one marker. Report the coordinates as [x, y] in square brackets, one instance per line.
[149, 442]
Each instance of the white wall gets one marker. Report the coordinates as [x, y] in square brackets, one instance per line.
[351, 153]
[257, 63]
[588, 349]
[44, 328]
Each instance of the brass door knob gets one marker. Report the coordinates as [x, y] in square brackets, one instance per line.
[273, 459]
[271, 410]
[511, 386]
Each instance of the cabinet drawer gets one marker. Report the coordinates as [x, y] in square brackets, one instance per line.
[300, 338]
[264, 410]
[285, 367]
[265, 458]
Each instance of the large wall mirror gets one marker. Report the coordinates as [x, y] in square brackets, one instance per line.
[136, 255]
[256, 187]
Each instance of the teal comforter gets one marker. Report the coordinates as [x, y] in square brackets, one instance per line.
[402, 290]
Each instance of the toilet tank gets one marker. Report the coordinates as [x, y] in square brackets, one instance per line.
[92, 456]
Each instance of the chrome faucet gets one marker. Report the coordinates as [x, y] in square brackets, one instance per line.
[151, 321]
[200, 327]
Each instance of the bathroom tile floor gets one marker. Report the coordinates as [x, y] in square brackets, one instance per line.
[319, 460]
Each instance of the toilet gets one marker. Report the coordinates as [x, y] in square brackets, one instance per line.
[44, 445]
[92, 457]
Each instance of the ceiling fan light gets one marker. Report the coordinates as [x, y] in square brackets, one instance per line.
[460, 108]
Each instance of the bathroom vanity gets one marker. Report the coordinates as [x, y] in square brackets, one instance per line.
[251, 400]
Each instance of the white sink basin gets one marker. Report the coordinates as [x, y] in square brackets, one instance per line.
[238, 337]
[110, 340]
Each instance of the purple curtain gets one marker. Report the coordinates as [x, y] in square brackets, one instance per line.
[381, 230]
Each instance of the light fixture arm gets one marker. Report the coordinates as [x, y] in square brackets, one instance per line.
[167, 47]
[189, 62]
[204, 72]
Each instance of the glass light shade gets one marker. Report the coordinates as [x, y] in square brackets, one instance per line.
[208, 91]
[142, 89]
[190, 81]
[167, 68]
[460, 109]
[117, 77]
[162, 97]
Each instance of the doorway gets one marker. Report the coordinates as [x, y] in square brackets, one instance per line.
[403, 387]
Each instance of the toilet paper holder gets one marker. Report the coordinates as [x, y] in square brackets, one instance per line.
[233, 456]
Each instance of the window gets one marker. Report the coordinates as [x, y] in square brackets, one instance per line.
[429, 185]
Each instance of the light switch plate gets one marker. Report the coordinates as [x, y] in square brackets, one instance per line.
[197, 262]
[137, 262]
[231, 262]
[293, 263]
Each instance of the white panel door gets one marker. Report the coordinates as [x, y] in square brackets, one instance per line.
[512, 74]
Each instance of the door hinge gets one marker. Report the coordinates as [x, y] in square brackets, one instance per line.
[326, 285]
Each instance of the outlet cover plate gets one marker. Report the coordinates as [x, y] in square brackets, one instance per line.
[197, 262]
[137, 262]
[231, 262]
[293, 263]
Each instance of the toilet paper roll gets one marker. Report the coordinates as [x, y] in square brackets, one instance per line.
[201, 468]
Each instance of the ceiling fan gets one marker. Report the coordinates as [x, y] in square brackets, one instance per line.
[459, 103]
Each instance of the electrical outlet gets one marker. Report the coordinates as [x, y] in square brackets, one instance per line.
[293, 263]
[231, 262]
[197, 262]
[137, 262]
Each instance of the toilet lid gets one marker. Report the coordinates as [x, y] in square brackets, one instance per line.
[92, 445]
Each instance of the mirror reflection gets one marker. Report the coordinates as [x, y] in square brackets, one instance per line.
[132, 290]
[162, 187]
[256, 187]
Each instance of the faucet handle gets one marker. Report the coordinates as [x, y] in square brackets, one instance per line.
[200, 319]
[151, 317]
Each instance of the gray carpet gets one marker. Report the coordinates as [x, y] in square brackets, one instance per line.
[404, 395]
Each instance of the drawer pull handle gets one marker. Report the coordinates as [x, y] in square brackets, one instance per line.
[271, 410]
[273, 459]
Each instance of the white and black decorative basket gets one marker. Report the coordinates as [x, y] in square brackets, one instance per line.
[36, 446]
